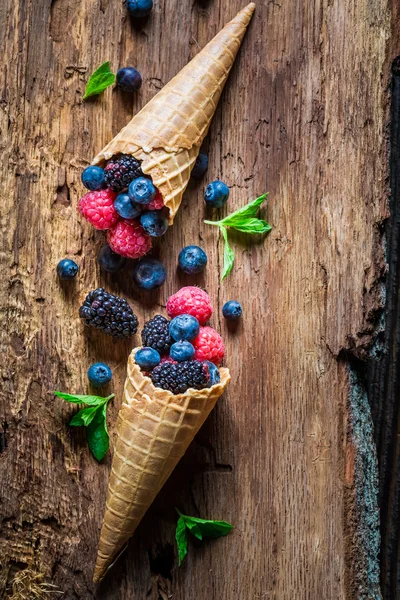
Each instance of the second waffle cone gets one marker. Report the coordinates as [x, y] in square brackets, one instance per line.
[154, 429]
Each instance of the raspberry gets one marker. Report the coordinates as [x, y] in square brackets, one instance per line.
[190, 300]
[121, 170]
[156, 204]
[209, 346]
[128, 239]
[168, 359]
[98, 208]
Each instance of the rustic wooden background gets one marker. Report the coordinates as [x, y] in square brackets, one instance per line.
[288, 454]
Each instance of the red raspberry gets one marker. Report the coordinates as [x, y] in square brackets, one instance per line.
[156, 204]
[209, 346]
[168, 359]
[128, 239]
[190, 300]
[98, 208]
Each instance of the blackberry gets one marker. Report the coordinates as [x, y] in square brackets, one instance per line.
[120, 171]
[110, 313]
[156, 334]
[177, 378]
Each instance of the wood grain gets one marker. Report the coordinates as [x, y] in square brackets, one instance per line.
[287, 455]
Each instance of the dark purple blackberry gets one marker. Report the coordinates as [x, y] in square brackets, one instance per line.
[120, 171]
[156, 334]
[110, 313]
[177, 378]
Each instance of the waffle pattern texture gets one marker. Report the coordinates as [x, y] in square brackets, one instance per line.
[154, 429]
[167, 133]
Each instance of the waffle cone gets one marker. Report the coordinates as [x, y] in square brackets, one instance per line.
[167, 133]
[154, 429]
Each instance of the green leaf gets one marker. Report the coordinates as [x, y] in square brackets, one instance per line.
[229, 256]
[78, 399]
[208, 528]
[252, 225]
[181, 539]
[101, 79]
[97, 434]
[84, 416]
[194, 529]
[246, 212]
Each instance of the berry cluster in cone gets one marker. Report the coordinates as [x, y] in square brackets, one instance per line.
[123, 201]
[182, 352]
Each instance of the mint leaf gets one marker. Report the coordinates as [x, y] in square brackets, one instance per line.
[207, 528]
[97, 434]
[78, 399]
[101, 79]
[194, 528]
[246, 212]
[181, 539]
[252, 225]
[229, 256]
[200, 528]
[84, 416]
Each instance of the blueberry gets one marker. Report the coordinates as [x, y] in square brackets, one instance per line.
[181, 351]
[125, 207]
[142, 190]
[110, 261]
[184, 327]
[200, 166]
[154, 222]
[99, 374]
[129, 79]
[215, 377]
[147, 358]
[232, 310]
[139, 8]
[216, 194]
[149, 274]
[192, 259]
[93, 178]
[67, 269]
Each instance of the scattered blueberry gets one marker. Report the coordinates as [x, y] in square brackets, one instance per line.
[192, 259]
[149, 274]
[139, 8]
[181, 351]
[142, 190]
[67, 269]
[232, 310]
[200, 166]
[125, 207]
[154, 222]
[110, 261]
[93, 178]
[215, 377]
[99, 374]
[184, 327]
[216, 194]
[129, 79]
[147, 358]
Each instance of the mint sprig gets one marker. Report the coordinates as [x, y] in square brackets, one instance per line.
[101, 79]
[94, 418]
[200, 528]
[244, 219]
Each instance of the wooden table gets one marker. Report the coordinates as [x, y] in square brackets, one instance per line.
[288, 454]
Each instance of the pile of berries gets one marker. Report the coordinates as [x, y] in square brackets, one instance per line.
[183, 352]
[125, 202]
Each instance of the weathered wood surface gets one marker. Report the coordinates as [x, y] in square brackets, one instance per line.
[287, 455]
